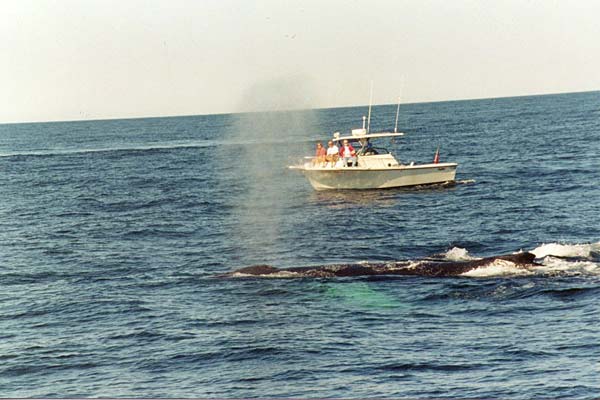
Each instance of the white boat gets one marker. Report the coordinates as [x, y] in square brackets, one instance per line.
[374, 167]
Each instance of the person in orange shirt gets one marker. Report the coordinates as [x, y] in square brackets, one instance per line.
[320, 154]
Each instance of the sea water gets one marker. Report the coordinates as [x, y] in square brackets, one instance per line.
[113, 234]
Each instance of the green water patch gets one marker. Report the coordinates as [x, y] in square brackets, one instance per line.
[361, 295]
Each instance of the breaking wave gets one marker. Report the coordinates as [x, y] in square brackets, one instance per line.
[458, 254]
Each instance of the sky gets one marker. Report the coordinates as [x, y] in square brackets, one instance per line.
[96, 59]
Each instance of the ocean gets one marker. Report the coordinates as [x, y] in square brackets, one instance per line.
[115, 235]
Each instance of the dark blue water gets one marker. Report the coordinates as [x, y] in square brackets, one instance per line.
[112, 232]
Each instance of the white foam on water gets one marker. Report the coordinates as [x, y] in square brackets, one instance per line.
[241, 275]
[402, 265]
[278, 275]
[566, 250]
[498, 268]
[553, 265]
[459, 254]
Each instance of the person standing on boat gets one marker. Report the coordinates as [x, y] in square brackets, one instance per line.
[332, 153]
[347, 153]
[320, 154]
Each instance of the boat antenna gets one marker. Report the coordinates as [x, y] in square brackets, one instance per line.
[398, 109]
[370, 104]
[397, 113]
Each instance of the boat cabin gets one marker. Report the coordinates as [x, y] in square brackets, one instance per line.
[367, 155]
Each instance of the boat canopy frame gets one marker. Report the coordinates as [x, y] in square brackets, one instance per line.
[364, 140]
[358, 138]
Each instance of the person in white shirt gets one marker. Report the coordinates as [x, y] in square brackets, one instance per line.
[332, 153]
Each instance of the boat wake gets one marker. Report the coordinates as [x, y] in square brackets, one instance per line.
[125, 148]
[546, 260]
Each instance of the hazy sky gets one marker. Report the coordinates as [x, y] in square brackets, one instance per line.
[84, 59]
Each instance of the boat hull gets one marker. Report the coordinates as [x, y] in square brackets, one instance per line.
[369, 178]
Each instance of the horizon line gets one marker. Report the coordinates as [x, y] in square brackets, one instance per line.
[293, 109]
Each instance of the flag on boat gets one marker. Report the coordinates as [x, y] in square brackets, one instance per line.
[436, 158]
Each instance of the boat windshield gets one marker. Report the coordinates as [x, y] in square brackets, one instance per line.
[366, 147]
[371, 151]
